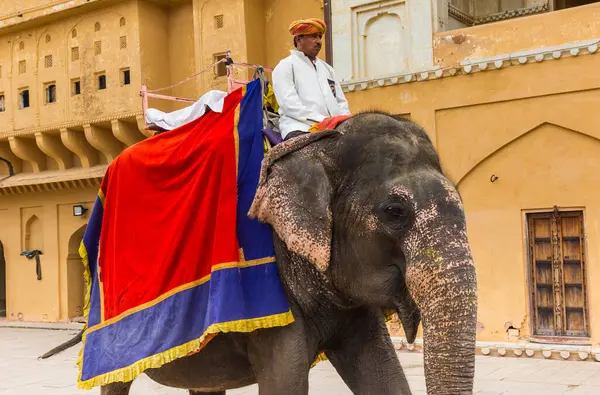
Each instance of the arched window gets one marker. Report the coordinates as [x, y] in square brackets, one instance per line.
[22, 45]
[74, 33]
[122, 22]
[48, 38]
[97, 27]
[50, 93]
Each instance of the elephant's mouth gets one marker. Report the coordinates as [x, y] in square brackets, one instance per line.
[410, 317]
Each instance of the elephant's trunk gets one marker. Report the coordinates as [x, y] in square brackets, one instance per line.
[449, 314]
[441, 278]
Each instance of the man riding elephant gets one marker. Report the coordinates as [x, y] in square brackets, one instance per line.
[305, 87]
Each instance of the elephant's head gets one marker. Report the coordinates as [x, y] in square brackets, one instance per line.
[369, 206]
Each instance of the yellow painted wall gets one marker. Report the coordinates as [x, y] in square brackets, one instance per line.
[91, 103]
[533, 127]
[154, 50]
[50, 230]
[182, 60]
[257, 42]
[279, 14]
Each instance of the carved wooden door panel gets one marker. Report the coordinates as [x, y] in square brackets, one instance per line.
[557, 273]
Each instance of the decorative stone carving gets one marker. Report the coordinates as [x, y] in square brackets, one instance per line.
[52, 146]
[565, 354]
[75, 141]
[502, 351]
[360, 50]
[485, 351]
[27, 150]
[142, 126]
[7, 153]
[530, 352]
[126, 133]
[547, 353]
[104, 141]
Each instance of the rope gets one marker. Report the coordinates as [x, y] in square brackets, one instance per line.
[189, 78]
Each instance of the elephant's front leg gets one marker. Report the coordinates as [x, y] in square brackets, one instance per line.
[281, 358]
[364, 356]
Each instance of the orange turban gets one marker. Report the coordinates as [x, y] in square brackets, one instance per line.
[308, 26]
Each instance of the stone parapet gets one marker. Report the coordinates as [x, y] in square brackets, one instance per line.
[471, 66]
[524, 349]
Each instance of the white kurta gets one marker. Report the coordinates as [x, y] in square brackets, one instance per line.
[305, 93]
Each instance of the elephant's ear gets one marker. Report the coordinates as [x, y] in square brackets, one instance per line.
[294, 197]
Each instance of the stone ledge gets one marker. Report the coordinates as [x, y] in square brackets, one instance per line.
[26, 15]
[471, 66]
[75, 326]
[517, 350]
[70, 124]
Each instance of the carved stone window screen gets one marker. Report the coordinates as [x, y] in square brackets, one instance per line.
[97, 47]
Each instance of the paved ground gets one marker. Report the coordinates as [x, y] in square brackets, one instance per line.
[21, 373]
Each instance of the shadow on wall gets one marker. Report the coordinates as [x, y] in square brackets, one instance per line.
[2, 282]
[75, 279]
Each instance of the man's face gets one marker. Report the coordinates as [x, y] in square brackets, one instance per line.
[310, 44]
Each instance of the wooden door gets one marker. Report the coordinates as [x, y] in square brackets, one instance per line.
[557, 272]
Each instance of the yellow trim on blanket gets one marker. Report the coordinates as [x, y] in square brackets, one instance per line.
[129, 373]
[87, 277]
[101, 196]
[236, 135]
[184, 287]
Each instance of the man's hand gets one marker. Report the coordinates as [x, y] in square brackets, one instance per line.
[329, 123]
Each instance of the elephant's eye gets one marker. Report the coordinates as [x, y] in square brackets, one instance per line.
[396, 215]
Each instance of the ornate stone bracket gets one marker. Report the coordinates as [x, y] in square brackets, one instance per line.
[104, 141]
[7, 153]
[142, 126]
[75, 141]
[52, 146]
[27, 150]
[125, 132]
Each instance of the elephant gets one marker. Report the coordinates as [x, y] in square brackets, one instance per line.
[364, 222]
